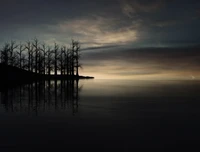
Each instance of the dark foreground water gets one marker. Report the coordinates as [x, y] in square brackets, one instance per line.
[101, 114]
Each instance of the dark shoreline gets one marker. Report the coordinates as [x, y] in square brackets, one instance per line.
[6, 84]
[12, 77]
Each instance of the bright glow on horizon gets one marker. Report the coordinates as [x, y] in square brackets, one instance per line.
[172, 76]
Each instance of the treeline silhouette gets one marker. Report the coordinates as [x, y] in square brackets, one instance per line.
[39, 58]
[42, 96]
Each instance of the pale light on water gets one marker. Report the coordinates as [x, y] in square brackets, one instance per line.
[105, 113]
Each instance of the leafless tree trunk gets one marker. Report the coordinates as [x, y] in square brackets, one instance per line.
[44, 50]
[36, 50]
[56, 47]
[77, 56]
[62, 61]
[19, 53]
[49, 61]
[12, 53]
[29, 49]
[5, 53]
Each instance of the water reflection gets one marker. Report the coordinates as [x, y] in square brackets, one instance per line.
[43, 96]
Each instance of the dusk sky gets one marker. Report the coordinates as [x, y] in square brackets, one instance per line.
[127, 39]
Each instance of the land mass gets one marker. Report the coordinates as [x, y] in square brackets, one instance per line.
[12, 76]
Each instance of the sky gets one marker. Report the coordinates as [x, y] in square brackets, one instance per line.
[120, 39]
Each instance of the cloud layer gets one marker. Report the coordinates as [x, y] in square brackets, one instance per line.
[116, 37]
[157, 63]
[132, 8]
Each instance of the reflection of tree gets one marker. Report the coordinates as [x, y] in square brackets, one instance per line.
[42, 96]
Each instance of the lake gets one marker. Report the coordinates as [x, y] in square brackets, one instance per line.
[102, 114]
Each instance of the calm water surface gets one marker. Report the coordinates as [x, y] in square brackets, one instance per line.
[103, 114]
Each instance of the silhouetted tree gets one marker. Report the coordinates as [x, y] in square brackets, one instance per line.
[49, 61]
[29, 49]
[5, 53]
[34, 57]
[40, 58]
[43, 58]
[76, 56]
[62, 60]
[19, 54]
[56, 53]
[12, 54]
[36, 51]
[71, 58]
[67, 61]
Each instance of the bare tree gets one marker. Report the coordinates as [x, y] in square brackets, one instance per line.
[5, 53]
[56, 53]
[42, 59]
[35, 44]
[76, 56]
[62, 60]
[12, 53]
[19, 54]
[24, 62]
[49, 61]
[67, 62]
[29, 49]
[71, 58]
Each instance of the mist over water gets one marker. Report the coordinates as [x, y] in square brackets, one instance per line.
[115, 114]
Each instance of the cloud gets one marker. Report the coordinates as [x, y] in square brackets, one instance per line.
[100, 47]
[165, 23]
[198, 12]
[99, 31]
[136, 73]
[127, 9]
[143, 62]
[132, 7]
